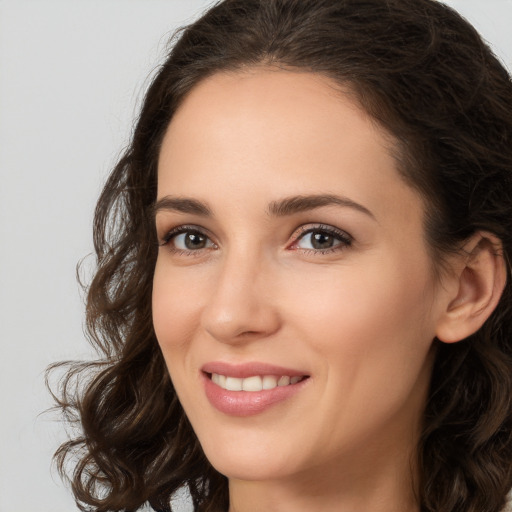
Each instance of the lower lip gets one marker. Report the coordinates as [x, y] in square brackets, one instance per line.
[247, 403]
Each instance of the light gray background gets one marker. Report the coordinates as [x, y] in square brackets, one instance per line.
[72, 73]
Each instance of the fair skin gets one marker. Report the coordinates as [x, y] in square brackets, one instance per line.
[338, 289]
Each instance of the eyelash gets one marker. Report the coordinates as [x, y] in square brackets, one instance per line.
[344, 239]
[175, 232]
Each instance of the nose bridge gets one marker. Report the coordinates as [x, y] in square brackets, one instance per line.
[241, 304]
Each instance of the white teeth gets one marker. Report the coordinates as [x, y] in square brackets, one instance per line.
[233, 384]
[269, 382]
[283, 381]
[254, 383]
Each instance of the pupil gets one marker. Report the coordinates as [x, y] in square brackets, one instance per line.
[322, 240]
[194, 241]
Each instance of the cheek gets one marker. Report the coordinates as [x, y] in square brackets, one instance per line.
[371, 325]
[361, 300]
[372, 342]
[175, 305]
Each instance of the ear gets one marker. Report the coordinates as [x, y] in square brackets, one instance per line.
[474, 288]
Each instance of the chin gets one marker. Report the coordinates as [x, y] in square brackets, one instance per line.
[252, 460]
[236, 468]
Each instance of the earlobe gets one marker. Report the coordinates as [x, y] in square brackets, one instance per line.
[477, 284]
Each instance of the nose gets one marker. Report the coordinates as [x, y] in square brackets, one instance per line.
[241, 306]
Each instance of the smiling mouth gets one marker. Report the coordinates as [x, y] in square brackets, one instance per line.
[254, 383]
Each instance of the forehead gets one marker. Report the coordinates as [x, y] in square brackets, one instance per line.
[276, 104]
[280, 133]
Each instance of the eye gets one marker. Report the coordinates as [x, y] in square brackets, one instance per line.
[187, 239]
[321, 239]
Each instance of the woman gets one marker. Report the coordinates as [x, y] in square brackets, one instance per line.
[303, 293]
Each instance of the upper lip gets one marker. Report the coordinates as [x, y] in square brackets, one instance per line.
[249, 369]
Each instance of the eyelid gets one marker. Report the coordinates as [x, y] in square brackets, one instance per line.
[299, 233]
[343, 236]
[184, 228]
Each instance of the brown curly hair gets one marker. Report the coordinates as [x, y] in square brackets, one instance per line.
[425, 75]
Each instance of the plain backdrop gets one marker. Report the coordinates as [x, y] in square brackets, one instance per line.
[72, 74]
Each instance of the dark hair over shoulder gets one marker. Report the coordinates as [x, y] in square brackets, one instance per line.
[424, 74]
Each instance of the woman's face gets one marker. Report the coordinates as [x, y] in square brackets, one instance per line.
[293, 264]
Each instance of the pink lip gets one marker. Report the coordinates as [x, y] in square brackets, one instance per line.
[248, 403]
[242, 371]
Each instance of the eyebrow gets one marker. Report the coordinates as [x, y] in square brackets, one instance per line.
[297, 204]
[281, 208]
[182, 205]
